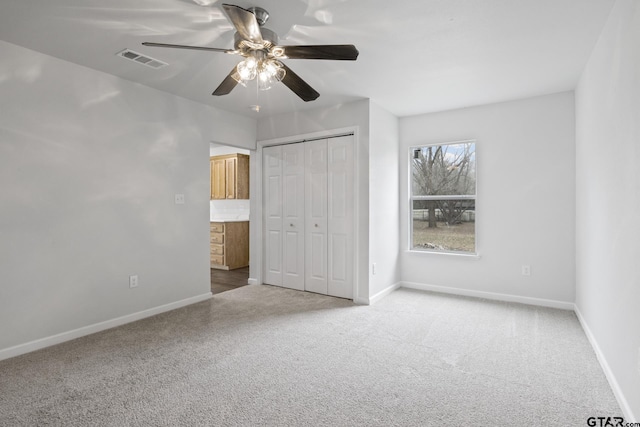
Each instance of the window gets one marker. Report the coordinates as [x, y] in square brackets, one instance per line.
[443, 197]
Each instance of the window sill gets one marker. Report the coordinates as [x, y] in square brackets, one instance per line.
[455, 254]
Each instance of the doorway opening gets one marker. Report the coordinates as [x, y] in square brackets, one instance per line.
[229, 217]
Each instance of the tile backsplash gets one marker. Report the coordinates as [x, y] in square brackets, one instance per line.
[229, 209]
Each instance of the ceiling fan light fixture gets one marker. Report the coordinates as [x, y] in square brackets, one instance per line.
[236, 76]
[266, 71]
[270, 72]
[265, 82]
[273, 69]
[248, 69]
[278, 51]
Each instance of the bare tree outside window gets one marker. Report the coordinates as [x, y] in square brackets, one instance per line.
[443, 197]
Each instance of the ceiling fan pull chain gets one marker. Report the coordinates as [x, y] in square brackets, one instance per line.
[256, 107]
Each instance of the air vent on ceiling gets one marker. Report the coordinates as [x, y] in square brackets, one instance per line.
[142, 59]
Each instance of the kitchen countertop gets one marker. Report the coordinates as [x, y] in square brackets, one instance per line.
[231, 220]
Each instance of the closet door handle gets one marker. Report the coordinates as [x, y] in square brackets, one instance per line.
[290, 225]
[316, 225]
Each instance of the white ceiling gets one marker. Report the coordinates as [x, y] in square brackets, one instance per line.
[416, 56]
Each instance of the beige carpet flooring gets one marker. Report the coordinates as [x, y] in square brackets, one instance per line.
[266, 356]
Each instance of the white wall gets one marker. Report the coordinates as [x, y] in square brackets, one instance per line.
[321, 120]
[89, 165]
[525, 206]
[384, 209]
[608, 201]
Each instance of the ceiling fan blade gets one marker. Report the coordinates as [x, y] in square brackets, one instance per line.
[227, 84]
[181, 46]
[344, 52]
[245, 22]
[299, 86]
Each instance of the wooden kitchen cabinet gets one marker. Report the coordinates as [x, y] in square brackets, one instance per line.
[218, 180]
[229, 245]
[229, 176]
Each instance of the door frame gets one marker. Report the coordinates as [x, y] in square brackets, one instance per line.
[257, 242]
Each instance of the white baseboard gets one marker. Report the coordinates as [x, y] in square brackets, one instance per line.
[622, 401]
[96, 327]
[251, 281]
[383, 293]
[361, 301]
[490, 295]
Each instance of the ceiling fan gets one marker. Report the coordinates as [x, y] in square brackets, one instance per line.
[259, 46]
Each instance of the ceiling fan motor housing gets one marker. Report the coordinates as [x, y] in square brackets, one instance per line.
[269, 37]
[262, 16]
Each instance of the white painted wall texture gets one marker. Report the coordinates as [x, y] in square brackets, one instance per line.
[89, 165]
[384, 209]
[525, 206]
[608, 200]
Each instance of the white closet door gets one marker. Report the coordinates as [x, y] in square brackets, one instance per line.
[309, 211]
[316, 216]
[293, 166]
[272, 196]
[340, 214]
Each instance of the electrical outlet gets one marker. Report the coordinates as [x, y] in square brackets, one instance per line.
[179, 199]
[373, 268]
[526, 270]
[133, 281]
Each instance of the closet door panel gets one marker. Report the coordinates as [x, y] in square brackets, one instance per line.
[316, 216]
[318, 262]
[272, 161]
[274, 259]
[340, 215]
[293, 215]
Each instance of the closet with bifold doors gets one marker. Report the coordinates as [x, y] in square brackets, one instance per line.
[308, 206]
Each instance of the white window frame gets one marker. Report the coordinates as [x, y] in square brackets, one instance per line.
[413, 198]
